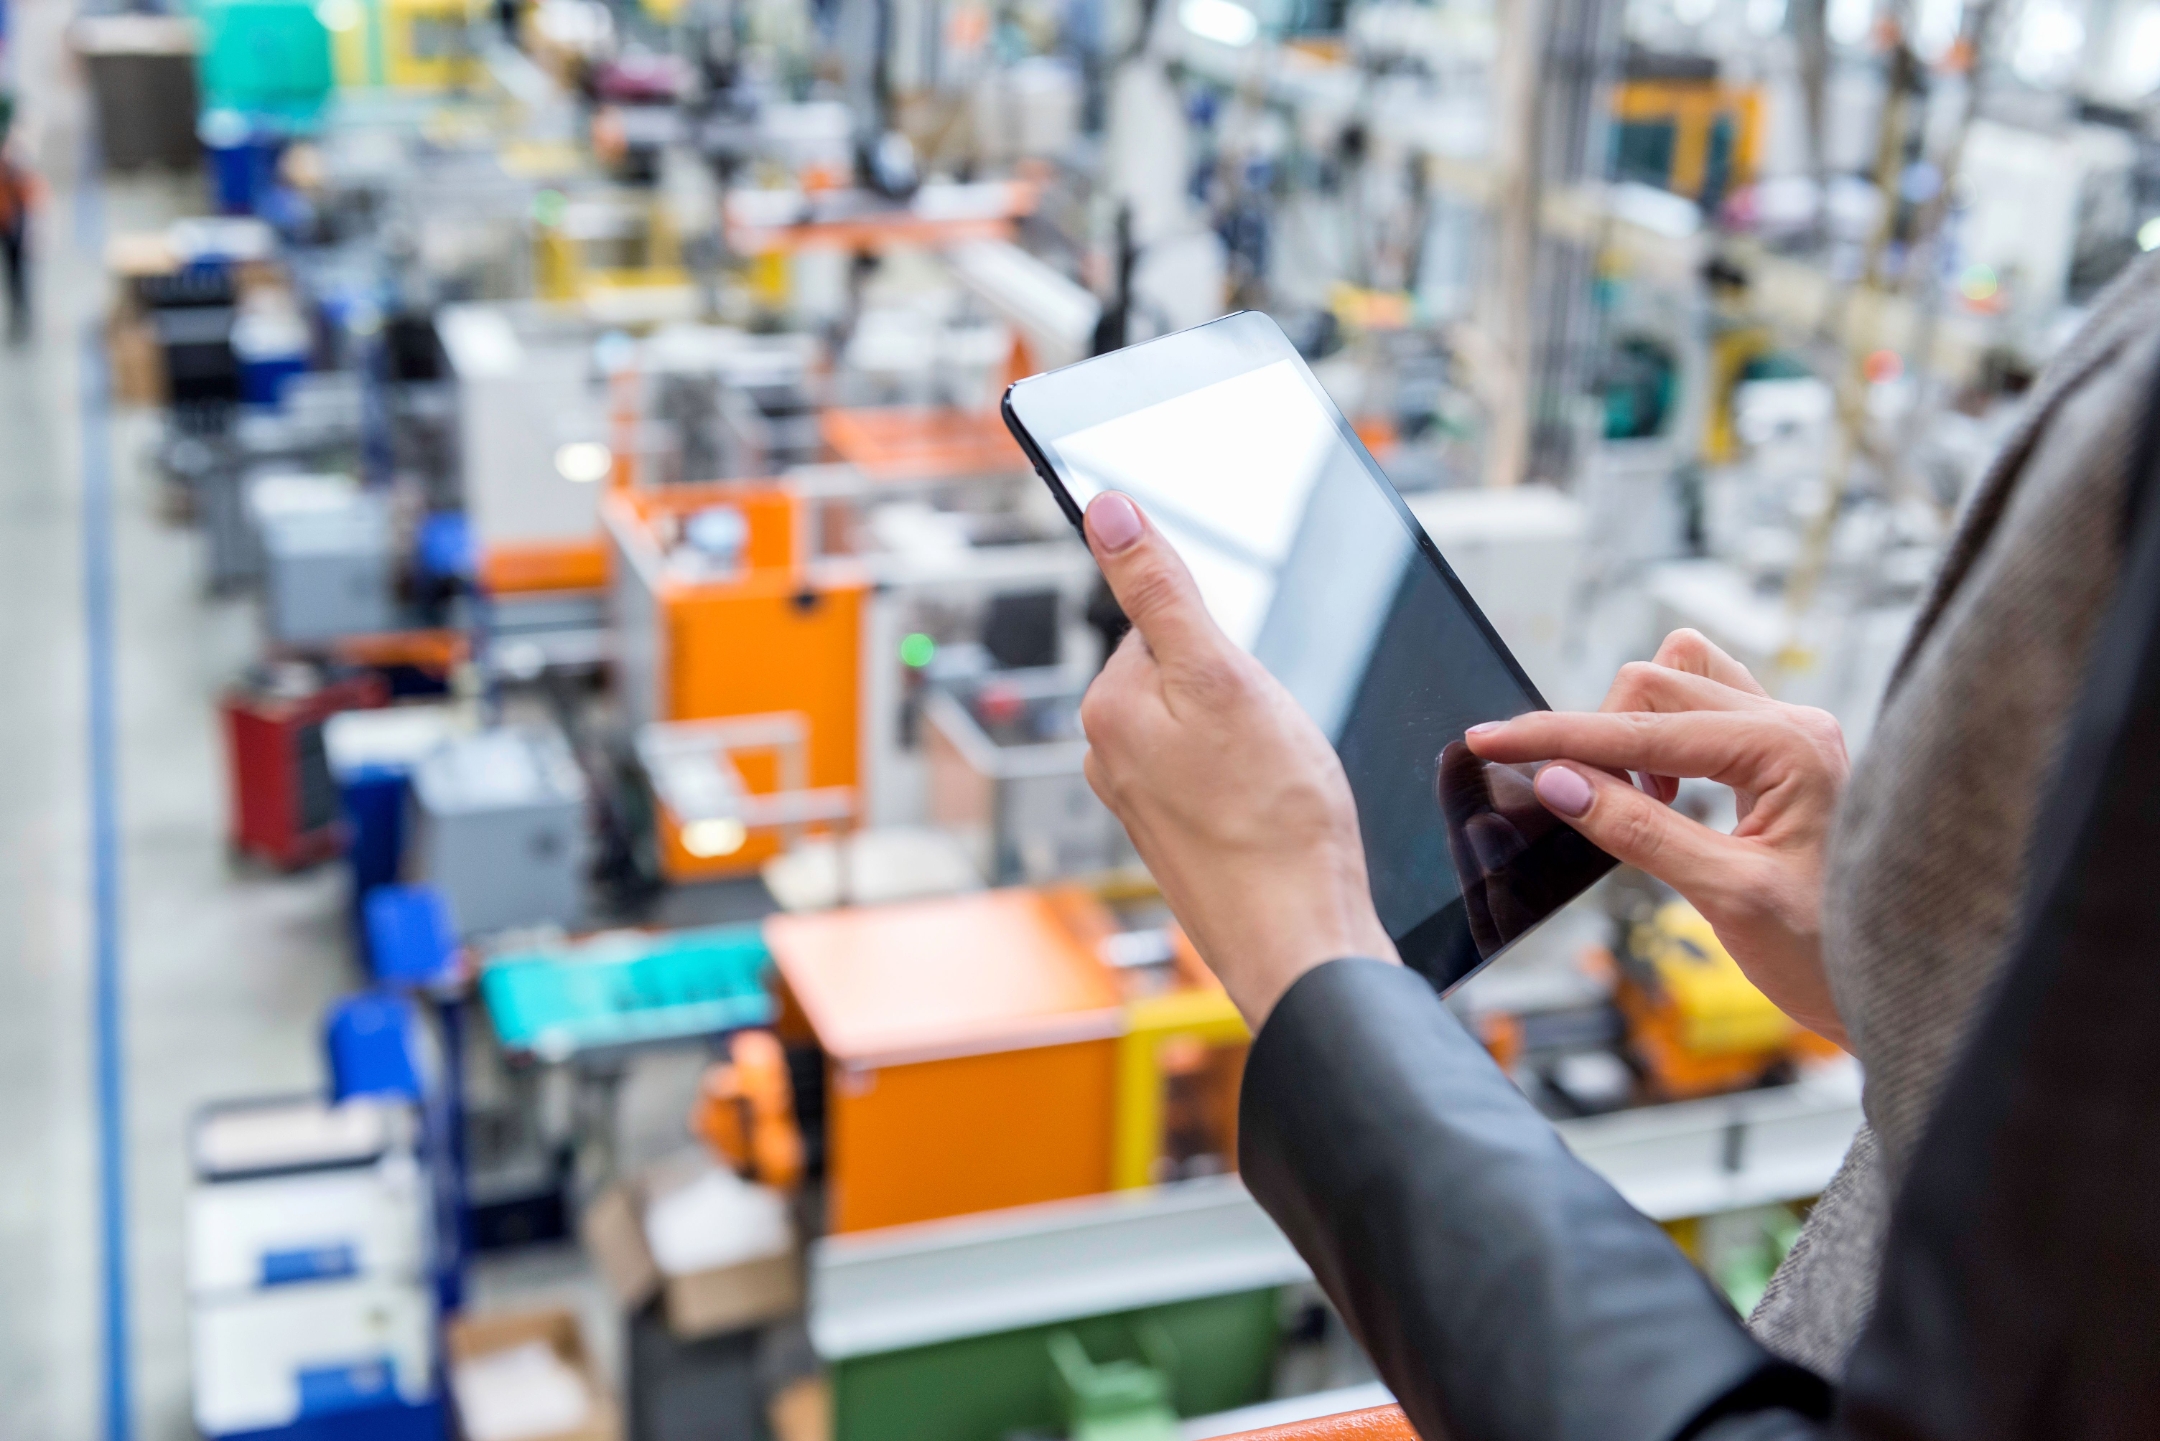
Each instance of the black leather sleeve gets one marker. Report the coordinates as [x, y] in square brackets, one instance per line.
[1504, 1290]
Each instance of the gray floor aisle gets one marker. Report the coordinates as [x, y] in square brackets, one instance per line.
[228, 969]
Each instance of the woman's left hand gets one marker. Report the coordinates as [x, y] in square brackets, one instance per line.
[1233, 797]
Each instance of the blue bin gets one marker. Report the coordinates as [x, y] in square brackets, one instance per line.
[243, 160]
[262, 378]
[411, 940]
[272, 347]
[374, 801]
[373, 1044]
[445, 547]
[394, 1420]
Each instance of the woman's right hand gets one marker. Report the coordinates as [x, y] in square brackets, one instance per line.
[1695, 711]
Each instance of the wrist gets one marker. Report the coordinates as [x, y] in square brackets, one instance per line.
[1282, 953]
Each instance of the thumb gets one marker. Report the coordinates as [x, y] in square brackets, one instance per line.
[1150, 580]
[1636, 829]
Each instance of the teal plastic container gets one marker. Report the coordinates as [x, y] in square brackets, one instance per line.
[267, 59]
[629, 990]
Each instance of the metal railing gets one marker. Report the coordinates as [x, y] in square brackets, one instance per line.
[1381, 1423]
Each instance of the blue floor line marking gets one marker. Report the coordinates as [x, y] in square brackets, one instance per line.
[97, 500]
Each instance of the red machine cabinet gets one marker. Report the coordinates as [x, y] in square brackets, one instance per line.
[284, 804]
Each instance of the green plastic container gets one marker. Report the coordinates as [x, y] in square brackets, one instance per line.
[984, 1388]
[629, 990]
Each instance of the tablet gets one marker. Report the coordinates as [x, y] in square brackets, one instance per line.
[1308, 558]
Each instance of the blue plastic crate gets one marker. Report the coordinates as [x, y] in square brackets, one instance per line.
[374, 801]
[393, 1420]
[411, 940]
[622, 991]
[372, 1041]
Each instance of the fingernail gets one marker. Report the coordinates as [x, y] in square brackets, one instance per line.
[1563, 790]
[1114, 521]
[1483, 726]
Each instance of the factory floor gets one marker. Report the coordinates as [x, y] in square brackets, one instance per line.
[228, 968]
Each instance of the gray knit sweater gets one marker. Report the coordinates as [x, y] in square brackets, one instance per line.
[1927, 858]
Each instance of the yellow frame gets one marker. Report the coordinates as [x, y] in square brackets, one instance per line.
[1203, 1014]
[1693, 107]
[379, 51]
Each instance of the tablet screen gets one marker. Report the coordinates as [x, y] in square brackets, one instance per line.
[1308, 559]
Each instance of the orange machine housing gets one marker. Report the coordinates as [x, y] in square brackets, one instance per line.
[779, 634]
[517, 568]
[745, 1112]
[971, 1048]
[920, 442]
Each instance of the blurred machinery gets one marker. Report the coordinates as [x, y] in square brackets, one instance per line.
[327, 558]
[625, 989]
[724, 613]
[500, 829]
[284, 801]
[533, 454]
[735, 406]
[946, 1028]
[615, 254]
[1696, 1024]
[1086, 1315]
[372, 755]
[617, 395]
[308, 1260]
[405, 44]
[746, 1112]
[970, 1047]
[1678, 127]
[1005, 756]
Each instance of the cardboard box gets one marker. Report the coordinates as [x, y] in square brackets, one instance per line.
[698, 1303]
[473, 1336]
[702, 1303]
[802, 1411]
[138, 365]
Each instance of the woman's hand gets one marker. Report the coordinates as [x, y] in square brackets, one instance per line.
[1235, 800]
[1695, 711]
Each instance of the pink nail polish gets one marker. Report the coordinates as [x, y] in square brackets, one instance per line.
[1114, 521]
[1564, 791]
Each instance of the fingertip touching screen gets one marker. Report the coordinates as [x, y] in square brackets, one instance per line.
[1308, 559]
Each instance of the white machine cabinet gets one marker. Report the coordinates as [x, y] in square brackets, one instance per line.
[527, 387]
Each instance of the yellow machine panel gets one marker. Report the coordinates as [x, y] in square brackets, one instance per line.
[1697, 138]
[406, 44]
[1696, 1022]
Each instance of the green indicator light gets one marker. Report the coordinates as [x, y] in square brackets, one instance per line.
[916, 650]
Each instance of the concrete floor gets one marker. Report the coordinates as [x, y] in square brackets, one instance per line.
[228, 968]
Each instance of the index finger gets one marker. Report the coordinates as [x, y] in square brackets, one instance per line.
[1714, 744]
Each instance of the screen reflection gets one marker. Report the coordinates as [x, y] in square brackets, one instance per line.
[1304, 560]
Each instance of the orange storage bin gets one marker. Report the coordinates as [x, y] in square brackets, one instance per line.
[971, 1045]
